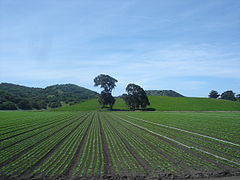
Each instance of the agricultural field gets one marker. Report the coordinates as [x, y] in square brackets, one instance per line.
[107, 145]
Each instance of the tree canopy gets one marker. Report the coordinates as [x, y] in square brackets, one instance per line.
[228, 95]
[136, 97]
[106, 99]
[108, 83]
[42, 98]
[238, 97]
[213, 94]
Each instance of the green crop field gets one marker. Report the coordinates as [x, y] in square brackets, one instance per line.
[119, 144]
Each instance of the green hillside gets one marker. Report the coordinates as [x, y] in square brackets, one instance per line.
[13, 96]
[163, 103]
[89, 105]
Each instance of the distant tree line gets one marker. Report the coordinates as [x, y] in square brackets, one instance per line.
[136, 97]
[227, 95]
[14, 96]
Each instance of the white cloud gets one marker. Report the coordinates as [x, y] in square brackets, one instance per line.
[134, 41]
[141, 68]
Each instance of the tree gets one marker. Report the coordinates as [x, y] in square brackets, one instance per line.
[24, 104]
[54, 104]
[8, 106]
[106, 99]
[108, 83]
[136, 97]
[228, 95]
[238, 97]
[42, 104]
[36, 105]
[213, 94]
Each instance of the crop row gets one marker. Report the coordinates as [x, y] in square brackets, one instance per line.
[91, 158]
[28, 159]
[231, 154]
[28, 143]
[214, 146]
[16, 121]
[92, 144]
[60, 160]
[169, 156]
[122, 160]
[222, 126]
[35, 123]
[26, 134]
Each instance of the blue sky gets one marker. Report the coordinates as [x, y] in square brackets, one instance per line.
[188, 46]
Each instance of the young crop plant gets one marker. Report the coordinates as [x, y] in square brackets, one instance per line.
[28, 143]
[60, 160]
[197, 162]
[27, 134]
[123, 159]
[179, 140]
[196, 140]
[97, 145]
[91, 158]
[18, 128]
[24, 162]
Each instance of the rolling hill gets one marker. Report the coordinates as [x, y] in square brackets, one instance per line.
[13, 96]
[192, 104]
[164, 103]
[169, 93]
[89, 105]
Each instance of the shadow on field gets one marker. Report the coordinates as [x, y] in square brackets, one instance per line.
[146, 109]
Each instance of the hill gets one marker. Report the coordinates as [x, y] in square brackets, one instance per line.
[92, 105]
[170, 93]
[69, 93]
[13, 96]
[164, 103]
[89, 105]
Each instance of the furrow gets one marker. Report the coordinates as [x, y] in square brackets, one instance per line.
[190, 132]
[184, 145]
[29, 171]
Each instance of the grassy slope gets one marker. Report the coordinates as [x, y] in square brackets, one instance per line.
[164, 103]
[89, 105]
[192, 104]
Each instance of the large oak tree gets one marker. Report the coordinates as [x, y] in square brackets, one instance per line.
[108, 83]
[136, 97]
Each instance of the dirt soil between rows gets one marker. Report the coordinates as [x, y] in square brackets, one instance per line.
[216, 175]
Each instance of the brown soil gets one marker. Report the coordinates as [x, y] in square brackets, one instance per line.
[215, 175]
[131, 150]
[106, 155]
[77, 155]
